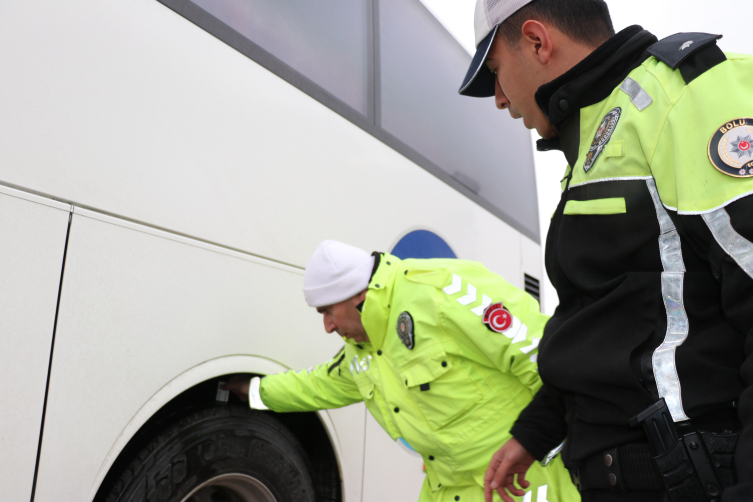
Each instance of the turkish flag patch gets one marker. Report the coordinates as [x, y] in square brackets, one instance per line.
[497, 318]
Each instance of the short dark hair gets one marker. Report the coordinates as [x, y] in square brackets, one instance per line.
[584, 21]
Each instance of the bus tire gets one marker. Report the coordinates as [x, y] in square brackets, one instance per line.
[218, 454]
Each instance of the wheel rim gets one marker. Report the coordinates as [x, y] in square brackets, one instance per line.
[231, 488]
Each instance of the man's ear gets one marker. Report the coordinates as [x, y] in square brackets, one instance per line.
[536, 40]
[360, 298]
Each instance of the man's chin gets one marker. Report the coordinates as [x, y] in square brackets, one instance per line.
[547, 133]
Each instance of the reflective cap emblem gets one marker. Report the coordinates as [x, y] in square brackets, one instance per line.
[497, 318]
[731, 148]
[686, 45]
[603, 134]
[405, 330]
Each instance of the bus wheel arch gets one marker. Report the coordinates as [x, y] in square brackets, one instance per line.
[195, 391]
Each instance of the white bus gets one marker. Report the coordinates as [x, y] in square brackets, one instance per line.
[166, 169]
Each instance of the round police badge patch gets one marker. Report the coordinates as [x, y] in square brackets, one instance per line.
[731, 148]
[497, 318]
[405, 330]
[603, 134]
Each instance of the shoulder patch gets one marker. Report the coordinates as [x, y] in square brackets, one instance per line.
[676, 48]
[405, 330]
[497, 318]
[731, 148]
[602, 137]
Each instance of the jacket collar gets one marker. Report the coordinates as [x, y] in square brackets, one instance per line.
[375, 312]
[587, 83]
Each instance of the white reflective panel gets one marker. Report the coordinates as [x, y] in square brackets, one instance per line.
[327, 40]
[672, 281]
[734, 244]
[638, 96]
[422, 68]
[32, 243]
[140, 307]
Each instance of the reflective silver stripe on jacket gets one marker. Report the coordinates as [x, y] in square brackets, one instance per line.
[663, 360]
[734, 244]
[638, 96]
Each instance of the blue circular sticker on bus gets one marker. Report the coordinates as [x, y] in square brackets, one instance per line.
[422, 244]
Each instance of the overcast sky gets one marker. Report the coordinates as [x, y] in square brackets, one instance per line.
[662, 17]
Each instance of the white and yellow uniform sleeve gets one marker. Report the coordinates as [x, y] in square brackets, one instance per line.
[323, 387]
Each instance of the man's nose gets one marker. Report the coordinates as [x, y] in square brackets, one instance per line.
[329, 324]
[499, 96]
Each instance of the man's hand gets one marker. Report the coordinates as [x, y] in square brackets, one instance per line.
[509, 460]
[238, 385]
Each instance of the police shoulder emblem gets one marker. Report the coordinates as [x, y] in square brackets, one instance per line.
[731, 148]
[497, 318]
[603, 134]
[405, 330]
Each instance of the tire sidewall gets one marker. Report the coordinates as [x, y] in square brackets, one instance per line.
[212, 442]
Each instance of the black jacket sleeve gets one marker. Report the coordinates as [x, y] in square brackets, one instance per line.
[541, 426]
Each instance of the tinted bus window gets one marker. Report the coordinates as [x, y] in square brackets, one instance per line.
[391, 68]
[325, 41]
[481, 147]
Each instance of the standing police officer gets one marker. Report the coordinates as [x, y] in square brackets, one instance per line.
[442, 352]
[646, 363]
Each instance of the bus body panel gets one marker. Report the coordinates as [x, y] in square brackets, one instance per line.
[32, 243]
[127, 108]
[138, 309]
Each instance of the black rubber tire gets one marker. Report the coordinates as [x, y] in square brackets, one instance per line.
[217, 441]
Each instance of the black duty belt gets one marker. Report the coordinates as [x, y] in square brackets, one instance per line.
[623, 468]
[688, 463]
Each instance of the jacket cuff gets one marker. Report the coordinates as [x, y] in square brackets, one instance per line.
[541, 425]
[530, 439]
[254, 396]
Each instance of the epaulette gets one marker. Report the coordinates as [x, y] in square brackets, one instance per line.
[692, 53]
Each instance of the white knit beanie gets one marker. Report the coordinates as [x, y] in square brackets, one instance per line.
[336, 272]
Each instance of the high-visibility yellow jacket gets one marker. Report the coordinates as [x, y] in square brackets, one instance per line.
[451, 387]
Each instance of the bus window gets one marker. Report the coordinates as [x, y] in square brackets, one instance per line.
[325, 41]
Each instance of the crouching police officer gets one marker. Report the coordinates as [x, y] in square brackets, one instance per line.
[442, 352]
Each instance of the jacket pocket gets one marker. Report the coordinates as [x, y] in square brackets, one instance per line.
[614, 149]
[443, 391]
[614, 205]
